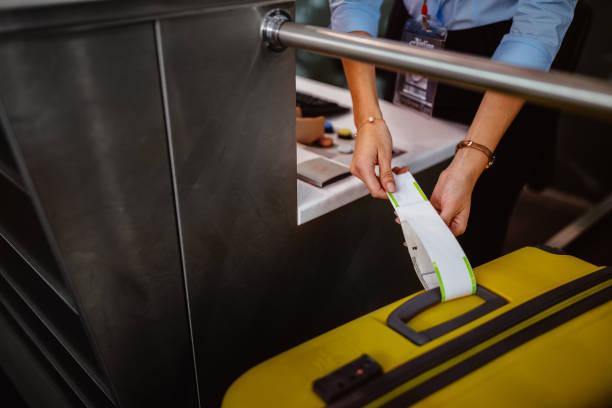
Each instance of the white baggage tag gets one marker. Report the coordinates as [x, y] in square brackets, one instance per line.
[436, 255]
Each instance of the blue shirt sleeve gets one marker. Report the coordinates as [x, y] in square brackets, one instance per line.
[538, 28]
[355, 15]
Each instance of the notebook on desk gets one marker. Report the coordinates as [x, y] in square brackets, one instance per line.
[321, 172]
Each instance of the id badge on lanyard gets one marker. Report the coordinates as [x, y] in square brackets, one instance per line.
[411, 89]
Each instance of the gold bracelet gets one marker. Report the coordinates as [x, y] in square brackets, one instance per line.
[370, 119]
[484, 149]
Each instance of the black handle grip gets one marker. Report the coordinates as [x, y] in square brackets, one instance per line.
[399, 317]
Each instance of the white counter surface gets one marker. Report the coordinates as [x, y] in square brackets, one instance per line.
[427, 141]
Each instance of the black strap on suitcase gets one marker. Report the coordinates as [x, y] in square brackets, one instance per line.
[486, 342]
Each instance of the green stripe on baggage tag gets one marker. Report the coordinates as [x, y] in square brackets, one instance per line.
[393, 199]
[467, 263]
[442, 291]
[420, 191]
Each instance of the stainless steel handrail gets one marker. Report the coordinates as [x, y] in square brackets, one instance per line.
[566, 91]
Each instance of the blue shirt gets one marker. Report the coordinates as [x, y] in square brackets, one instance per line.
[537, 31]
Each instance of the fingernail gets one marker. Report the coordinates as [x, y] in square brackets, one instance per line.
[391, 187]
[405, 244]
[397, 220]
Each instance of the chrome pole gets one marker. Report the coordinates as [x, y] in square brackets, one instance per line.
[560, 90]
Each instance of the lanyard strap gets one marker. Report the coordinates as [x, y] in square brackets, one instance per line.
[424, 10]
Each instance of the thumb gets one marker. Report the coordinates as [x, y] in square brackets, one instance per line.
[447, 213]
[459, 222]
[386, 175]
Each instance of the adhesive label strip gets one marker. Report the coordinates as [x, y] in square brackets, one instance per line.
[436, 255]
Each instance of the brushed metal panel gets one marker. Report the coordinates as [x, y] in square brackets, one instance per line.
[87, 114]
[258, 283]
[28, 369]
[232, 117]
[87, 111]
[88, 14]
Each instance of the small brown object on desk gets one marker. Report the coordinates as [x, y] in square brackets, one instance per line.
[311, 130]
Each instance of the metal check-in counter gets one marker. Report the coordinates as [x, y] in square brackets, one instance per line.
[149, 248]
[148, 193]
[149, 226]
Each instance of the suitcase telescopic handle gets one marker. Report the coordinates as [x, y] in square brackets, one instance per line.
[399, 318]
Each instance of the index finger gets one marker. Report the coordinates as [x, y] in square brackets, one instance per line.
[368, 176]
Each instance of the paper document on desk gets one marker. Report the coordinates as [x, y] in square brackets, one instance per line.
[436, 255]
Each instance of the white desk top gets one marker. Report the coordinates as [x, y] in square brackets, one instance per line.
[427, 141]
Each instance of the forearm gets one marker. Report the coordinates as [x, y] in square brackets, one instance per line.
[452, 194]
[494, 116]
[373, 146]
[361, 79]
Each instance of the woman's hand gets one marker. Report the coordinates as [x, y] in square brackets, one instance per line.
[374, 147]
[452, 195]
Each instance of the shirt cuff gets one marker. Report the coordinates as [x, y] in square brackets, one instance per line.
[349, 18]
[523, 52]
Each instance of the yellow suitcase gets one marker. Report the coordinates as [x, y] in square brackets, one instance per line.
[536, 334]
